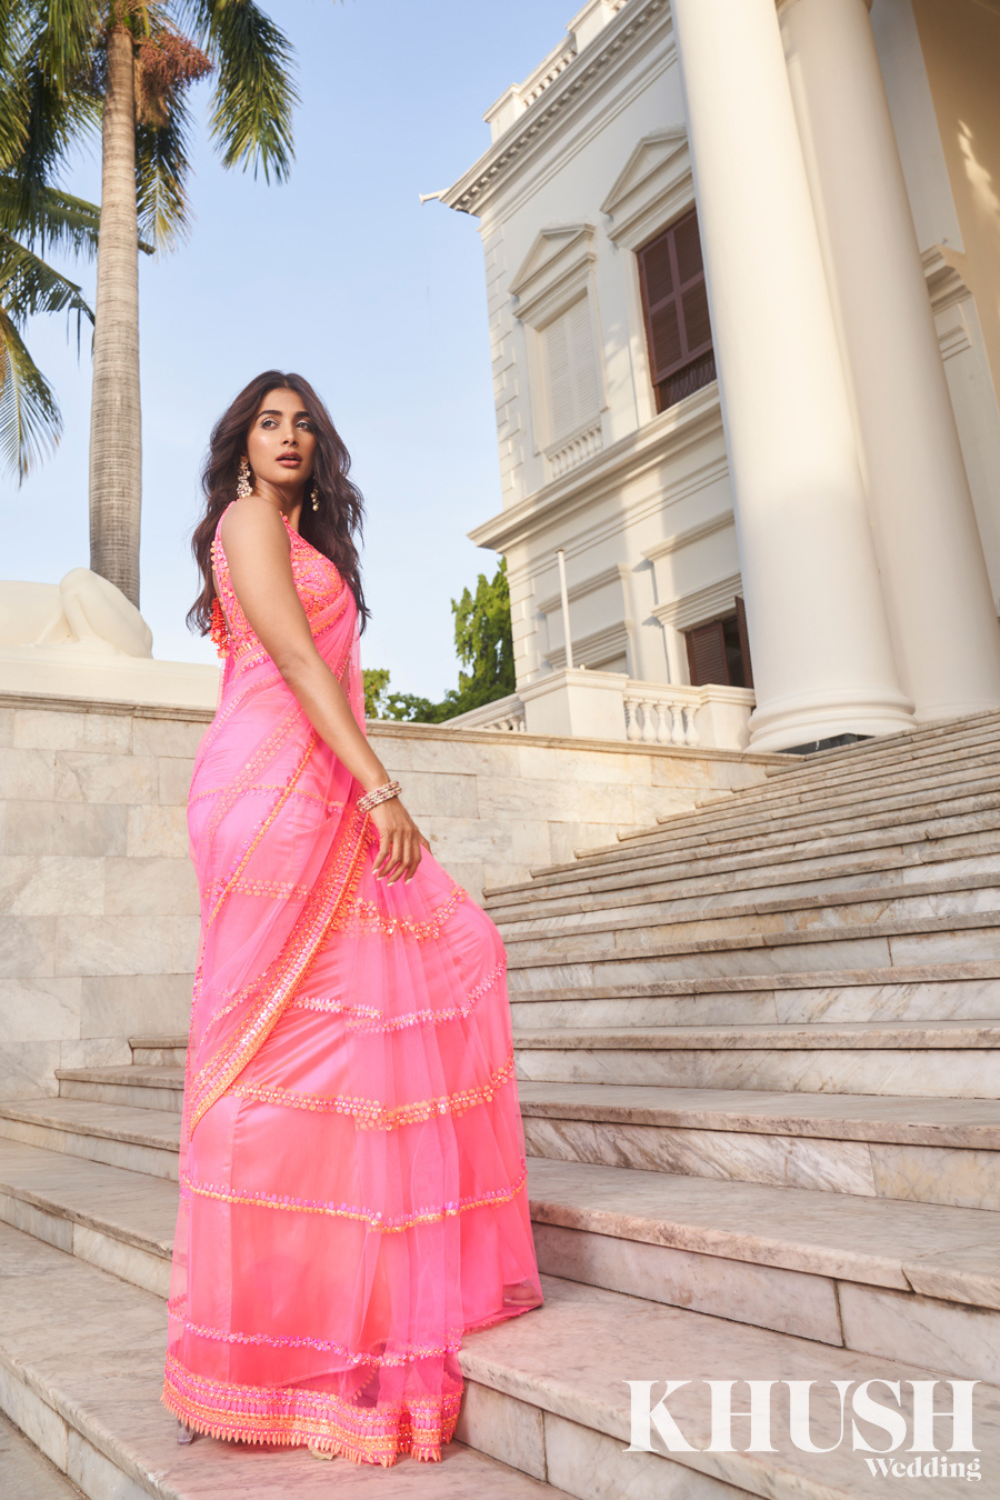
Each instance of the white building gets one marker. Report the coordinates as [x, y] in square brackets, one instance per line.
[841, 474]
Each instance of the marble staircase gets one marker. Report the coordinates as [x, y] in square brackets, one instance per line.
[757, 1059]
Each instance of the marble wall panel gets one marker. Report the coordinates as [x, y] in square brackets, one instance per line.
[553, 800]
[607, 767]
[26, 947]
[77, 728]
[156, 830]
[42, 885]
[166, 736]
[27, 1069]
[35, 1417]
[95, 1474]
[174, 779]
[28, 774]
[7, 720]
[95, 1052]
[66, 828]
[121, 945]
[434, 794]
[85, 776]
[150, 886]
[123, 1005]
[33, 1010]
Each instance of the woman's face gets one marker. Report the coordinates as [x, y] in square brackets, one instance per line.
[281, 443]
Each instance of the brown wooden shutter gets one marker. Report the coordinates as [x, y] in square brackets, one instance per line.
[741, 621]
[675, 299]
[706, 645]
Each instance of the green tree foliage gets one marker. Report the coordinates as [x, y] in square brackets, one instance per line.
[485, 646]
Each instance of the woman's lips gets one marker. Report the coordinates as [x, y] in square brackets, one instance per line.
[290, 461]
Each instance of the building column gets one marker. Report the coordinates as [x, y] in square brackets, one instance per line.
[823, 661]
[937, 591]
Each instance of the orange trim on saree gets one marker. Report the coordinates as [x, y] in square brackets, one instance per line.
[268, 995]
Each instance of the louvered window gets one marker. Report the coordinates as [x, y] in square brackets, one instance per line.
[570, 371]
[719, 651]
[675, 305]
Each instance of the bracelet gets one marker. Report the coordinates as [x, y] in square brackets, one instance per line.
[380, 794]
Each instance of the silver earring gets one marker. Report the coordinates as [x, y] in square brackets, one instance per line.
[243, 485]
[314, 495]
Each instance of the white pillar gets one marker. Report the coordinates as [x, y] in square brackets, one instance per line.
[937, 590]
[823, 663]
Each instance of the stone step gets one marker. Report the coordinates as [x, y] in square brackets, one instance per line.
[801, 910]
[920, 1150]
[824, 855]
[950, 777]
[893, 749]
[574, 1359]
[945, 992]
[872, 945]
[808, 828]
[81, 1370]
[118, 1220]
[696, 888]
[139, 1140]
[158, 1088]
[780, 1258]
[948, 1060]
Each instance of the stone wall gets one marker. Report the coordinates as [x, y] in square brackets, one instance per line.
[98, 903]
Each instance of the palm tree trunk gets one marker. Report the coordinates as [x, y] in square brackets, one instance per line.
[115, 423]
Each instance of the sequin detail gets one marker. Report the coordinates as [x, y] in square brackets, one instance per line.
[372, 1217]
[369, 1114]
[365, 1018]
[287, 1415]
[367, 917]
[288, 1341]
[267, 996]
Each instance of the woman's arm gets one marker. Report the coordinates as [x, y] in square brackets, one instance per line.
[259, 556]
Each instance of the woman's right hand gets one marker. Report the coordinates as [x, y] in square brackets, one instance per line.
[400, 842]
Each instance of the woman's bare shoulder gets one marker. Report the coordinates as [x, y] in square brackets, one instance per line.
[252, 522]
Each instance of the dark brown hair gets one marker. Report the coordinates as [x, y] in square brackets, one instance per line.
[331, 529]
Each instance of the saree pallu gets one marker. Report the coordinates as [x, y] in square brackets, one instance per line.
[353, 1176]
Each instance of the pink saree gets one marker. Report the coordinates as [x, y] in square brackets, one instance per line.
[352, 1157]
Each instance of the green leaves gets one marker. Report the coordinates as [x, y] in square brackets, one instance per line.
[30, 424]
[484, 641]
[254, 96]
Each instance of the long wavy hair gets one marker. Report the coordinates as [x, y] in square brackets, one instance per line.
[332, 529]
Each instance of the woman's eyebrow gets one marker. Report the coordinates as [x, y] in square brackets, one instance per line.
[272, 412]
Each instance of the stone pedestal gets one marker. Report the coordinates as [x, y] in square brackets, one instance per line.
[577, 703]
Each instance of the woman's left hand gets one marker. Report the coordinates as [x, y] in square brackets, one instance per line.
[400, 842]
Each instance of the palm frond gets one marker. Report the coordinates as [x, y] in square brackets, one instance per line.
[29, 285]
[30, 423]
[161, 168]
[255, 96]
[66, 40]
[49, 217]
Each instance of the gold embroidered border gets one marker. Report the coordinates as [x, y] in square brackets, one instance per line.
[247, 855]
[268, 995]
[285, 1415]
[290, 1341]
[494, 1198]
[366, 917]
[369, 1114]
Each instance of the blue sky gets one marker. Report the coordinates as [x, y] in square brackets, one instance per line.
[343, 276]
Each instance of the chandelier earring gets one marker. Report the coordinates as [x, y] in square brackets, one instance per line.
[243, 485]
[314, 495]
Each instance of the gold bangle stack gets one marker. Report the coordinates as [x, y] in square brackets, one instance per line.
[379, 794]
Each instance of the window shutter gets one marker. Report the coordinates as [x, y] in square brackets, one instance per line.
[675, 302]
[741, 621]
[706, 645]
[570, 370]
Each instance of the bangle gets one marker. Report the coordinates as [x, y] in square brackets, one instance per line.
[380, 794]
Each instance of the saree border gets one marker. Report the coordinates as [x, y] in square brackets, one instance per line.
[270, 993]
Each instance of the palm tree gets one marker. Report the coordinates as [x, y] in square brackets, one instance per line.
[127, 65]
[29, 416]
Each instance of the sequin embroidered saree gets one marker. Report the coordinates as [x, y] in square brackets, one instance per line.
[352, 1157]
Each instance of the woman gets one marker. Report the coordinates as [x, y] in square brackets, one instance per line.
[352, 1158]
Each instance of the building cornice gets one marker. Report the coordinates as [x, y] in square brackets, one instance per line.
[692, 420]
[572, 86]
[686, 538]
